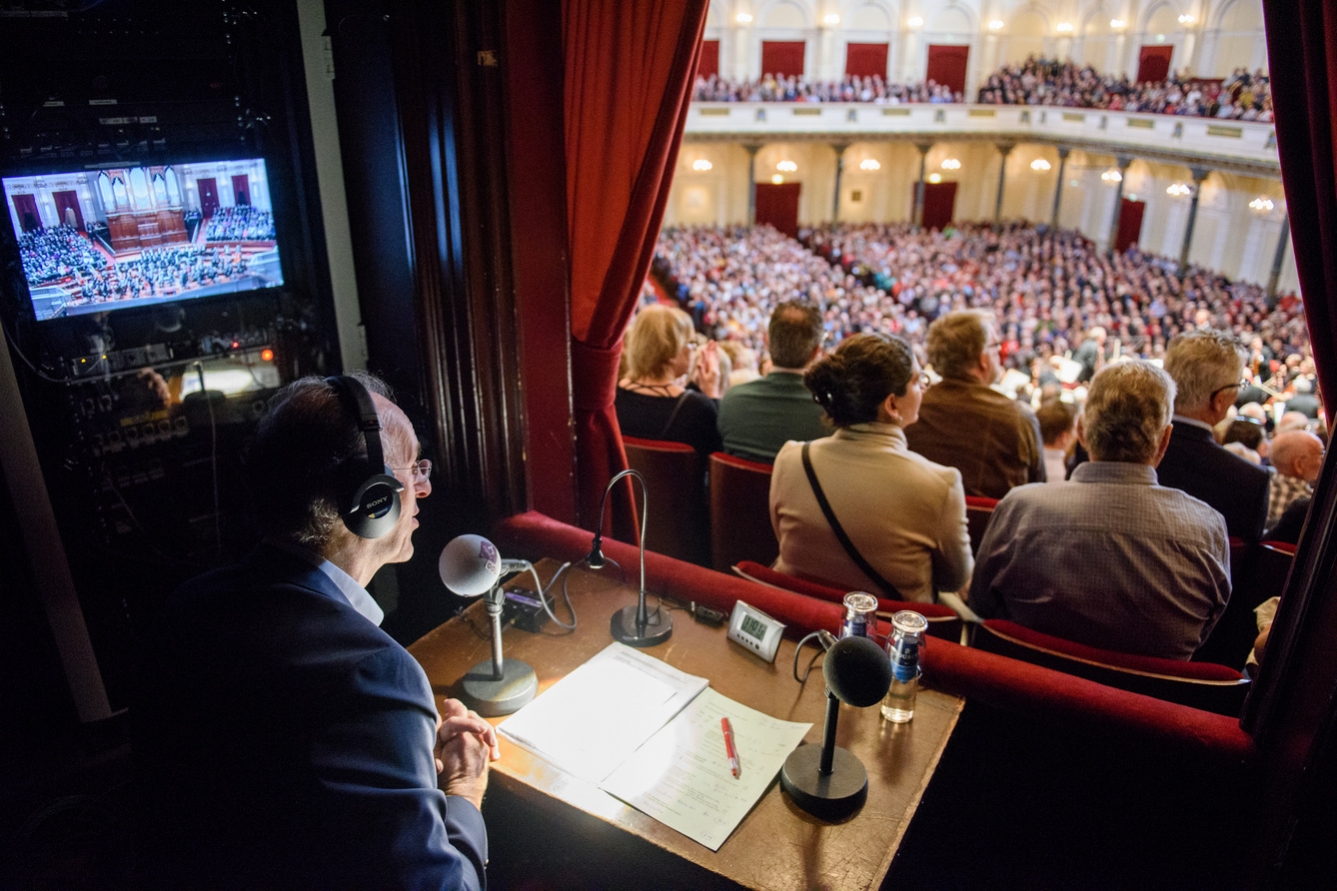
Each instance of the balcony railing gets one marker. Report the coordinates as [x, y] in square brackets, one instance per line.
[1240, 146]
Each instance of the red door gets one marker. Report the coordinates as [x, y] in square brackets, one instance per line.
[1130, 224]
[782, 57]
[778, 206]
[939, 205]
[241, 190]
[1153, 63]
[67, 209]
[709, 63]
[947, 65]
[26, 208]
[866, 59]
[208, 196]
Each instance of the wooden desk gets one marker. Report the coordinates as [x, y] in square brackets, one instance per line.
[580, 838]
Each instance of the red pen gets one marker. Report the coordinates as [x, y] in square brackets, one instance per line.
[730, 748]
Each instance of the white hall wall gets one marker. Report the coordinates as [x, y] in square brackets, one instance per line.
[1222, 35]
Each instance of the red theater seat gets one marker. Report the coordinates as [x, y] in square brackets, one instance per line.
[1203, 685]
[675, 479]
[740, 512]
[979, 510]
[942, 620]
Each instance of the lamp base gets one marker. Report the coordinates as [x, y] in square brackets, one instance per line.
[831, 797]
[490, 696]
[656, 631]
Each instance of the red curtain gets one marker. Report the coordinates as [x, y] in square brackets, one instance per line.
[1153, 63]
[777, 205]
[1130, 224]
[947, 65]
[710, 59]
[939, 205]
[782, 57]
[866, 59]
[629, 70]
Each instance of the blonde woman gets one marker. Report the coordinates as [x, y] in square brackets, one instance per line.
[654, 399]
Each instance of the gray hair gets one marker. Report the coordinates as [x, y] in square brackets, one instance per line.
[1202, 362]
[1127, 410]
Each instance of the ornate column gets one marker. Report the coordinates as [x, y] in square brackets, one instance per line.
[752, 183]
[1277, 259]
[1199, 174]
[1122, 161]
[1004, 149]
[840, 170]
[917, 215]
[1063, 152]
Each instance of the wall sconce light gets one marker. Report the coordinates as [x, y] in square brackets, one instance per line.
[915, 21]
[996, 25]
[1112, 176]
[935, 178]
[787, 166]
[1178, 190]
[777, 179]
[743, 18]
[1039, 164]
[870, 164]
[1064, 27]
[831, 19]
[701, 165]
[1261, 204]
[951, 164]
[1117, 24]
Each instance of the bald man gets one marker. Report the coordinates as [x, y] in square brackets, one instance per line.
[1297, 458]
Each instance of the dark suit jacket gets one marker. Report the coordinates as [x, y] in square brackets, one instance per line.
[283, 741]
[1235, 487]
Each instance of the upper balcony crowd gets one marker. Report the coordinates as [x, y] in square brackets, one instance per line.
[1241, 96]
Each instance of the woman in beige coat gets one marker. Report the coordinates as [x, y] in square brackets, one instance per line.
[904, 514]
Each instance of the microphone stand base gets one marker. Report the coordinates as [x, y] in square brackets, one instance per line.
[491, 696]
[624, 629]
[831, 797]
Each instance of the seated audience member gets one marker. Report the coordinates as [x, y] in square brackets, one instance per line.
[964, 423]
[1091, 354]
[1304, 401]
[1240, 450]
[652, 401]
[757, 418]
[1297, 459]
[744, 360]
[1292, 521]
[282, 739]
[1109, 558]
[1057, 430]
[905, 515]
[1248, 433]
[1206, 365]
[1293, 420]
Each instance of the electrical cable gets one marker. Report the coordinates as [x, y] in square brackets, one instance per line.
[825, 640]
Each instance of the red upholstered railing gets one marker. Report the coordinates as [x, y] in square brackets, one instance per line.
[1175, 668]
[991, 679]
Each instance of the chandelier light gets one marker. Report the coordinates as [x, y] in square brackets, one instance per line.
[832, 19]
[1179, 190]
[996, 25]
[1064, 27]
[915, 21]
[743, 18]
[777, 179]
[1039, 164]
[870, 164]
[702, 165]
[1112, 176]
[935, 178]
[951, 164]
[1262, 204]
[786, 166]
[1186, 19]
[1117, 24]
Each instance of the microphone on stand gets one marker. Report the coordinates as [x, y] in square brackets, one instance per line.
[470, 565]
[632, 625]
[827, 781]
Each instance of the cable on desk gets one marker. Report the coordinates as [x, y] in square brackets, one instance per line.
[825, 641]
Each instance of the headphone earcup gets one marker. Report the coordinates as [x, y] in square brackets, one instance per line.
[373, 508]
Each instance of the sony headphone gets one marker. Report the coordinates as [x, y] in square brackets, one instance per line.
[369, 492]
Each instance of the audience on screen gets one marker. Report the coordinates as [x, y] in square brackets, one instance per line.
[240, 223]
[59, 252]
[160, 272]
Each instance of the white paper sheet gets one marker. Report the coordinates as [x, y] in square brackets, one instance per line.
[681, 776]
[591, 721]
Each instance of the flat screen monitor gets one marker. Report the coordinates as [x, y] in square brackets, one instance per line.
[113, 238]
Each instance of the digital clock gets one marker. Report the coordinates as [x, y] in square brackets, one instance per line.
[755, 631]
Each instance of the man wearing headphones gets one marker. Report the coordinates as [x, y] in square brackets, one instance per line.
[283, 741]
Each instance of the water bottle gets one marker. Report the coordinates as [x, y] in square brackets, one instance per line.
[908, 629]
[860, 615]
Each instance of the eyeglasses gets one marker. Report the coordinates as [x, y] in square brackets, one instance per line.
[422, 470]
[1238, 385]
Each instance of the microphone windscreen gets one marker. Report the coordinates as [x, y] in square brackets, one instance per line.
[857, 671]
[469, 565]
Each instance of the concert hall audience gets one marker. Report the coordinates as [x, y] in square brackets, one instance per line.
[652, 401]
[1110, 558]
[1058, 431]
[964, 423]
[1242, 96]
[759, 417]
[1297, 459]
[159, 272]
[1206, 365]
[241, 222]
[794, 88]
[903, 515]
[57, 252]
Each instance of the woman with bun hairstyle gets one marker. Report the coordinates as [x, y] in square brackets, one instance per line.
[905, 515]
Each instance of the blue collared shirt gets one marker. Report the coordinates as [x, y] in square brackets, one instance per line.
[355, 594]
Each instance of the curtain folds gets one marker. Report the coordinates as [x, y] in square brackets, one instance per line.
[628, 80]
[1302, 52]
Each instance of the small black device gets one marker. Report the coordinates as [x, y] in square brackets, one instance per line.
[705, 615]
[369, 500]
[523, 610]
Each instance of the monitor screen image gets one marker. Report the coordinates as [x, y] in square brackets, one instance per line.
[99, 240]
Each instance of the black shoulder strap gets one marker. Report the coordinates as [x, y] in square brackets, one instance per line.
[887, 587]
[673, 416]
